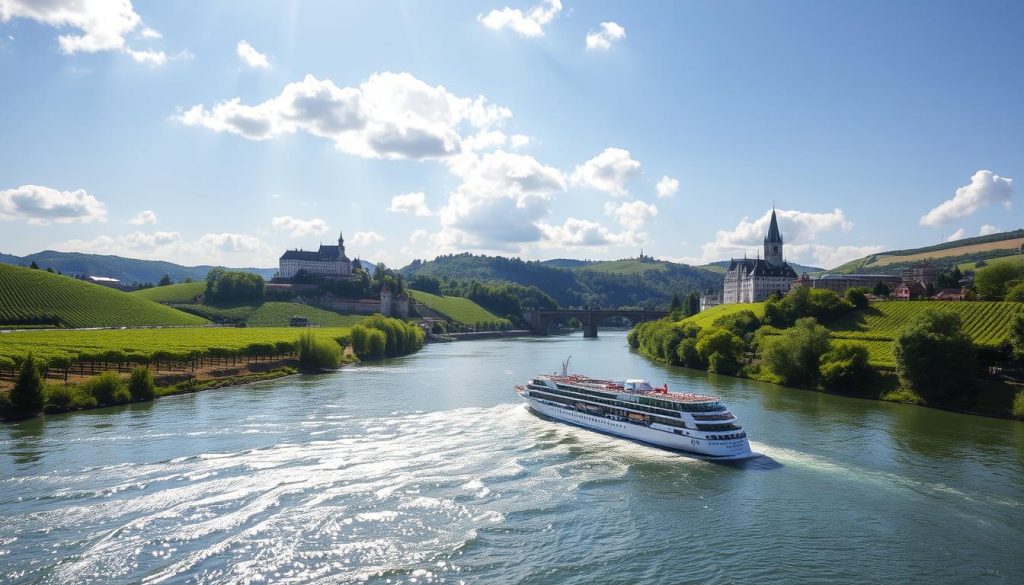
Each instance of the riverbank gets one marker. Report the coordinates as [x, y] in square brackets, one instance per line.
[473, 335]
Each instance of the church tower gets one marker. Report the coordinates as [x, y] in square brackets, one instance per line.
[773, 244]
[341, 245]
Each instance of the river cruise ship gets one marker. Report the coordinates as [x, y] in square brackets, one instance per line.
[699, 425]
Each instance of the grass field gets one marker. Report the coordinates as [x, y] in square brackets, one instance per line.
[36, 297]
[627, 266]
[142, 342]
[714, 268]
[706, 318]
[173, 293]
[457, 308]
[1016, 259]
[272, 314]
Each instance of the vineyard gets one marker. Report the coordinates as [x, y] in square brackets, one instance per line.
[458, 308]
[988, 323]
[271, 314]
[174, 293]
[36, 298]
[147, 345]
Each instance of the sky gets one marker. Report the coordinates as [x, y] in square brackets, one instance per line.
[227, 132]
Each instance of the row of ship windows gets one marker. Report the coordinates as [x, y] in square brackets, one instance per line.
[602, 419]
[567, 399]
[738, 435]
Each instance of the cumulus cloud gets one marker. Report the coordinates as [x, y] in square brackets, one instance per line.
[411, 203]
[228, 249]
[581, 233]
[632, 215]
[391, 115]
[609, 171]
[602, 40]
[519, 140]
[502, 197]
[102, 25]
[988, 230]
[530, 23]
[42, 206]
[799, 228]
[667, 186]
[367, 238]
[957, 235]
[250, 56]
[984, 189]
[143, 218]
[299, 227]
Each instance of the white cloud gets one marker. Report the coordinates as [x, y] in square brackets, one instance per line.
[985, 189]
[519, 140]
[227, 249]
[412, 203]
[632, 215]
[609, 171]
[418, 236]
[580, 233]
[363, 239]
[988, 230]
[143, 218]
[667, 186]
[602, 40]
[528, 24]
[43, 205]
[500, 201]
[797, 227]
[391, 115]
[299, 227]
[957, 235]
[251, 56]
[102, 25]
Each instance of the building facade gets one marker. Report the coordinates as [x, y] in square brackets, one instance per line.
[328, 261]
[752, 281]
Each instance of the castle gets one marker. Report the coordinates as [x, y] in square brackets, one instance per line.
[752, 281]
[329, 261]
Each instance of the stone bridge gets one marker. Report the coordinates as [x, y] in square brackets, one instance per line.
[540, 319]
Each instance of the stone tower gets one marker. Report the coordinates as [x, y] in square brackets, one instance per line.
[773, 244]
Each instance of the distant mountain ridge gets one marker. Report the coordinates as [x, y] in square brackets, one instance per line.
[957, 252]
[127, 270]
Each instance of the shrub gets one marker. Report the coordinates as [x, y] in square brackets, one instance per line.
[794, 355]
[27, 394]
[845, 368]
[1015, 293]
[857, 296]
[107, 388]
[140, 384]
[720, 350]
[1017, 336]
[316, 353]
[376, 344]
[62, 398]
[1018, 405]
[740, 323]
[934, 357]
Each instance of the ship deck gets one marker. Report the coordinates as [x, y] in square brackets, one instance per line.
[612, 386]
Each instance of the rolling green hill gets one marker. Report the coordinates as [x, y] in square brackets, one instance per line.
[36, 298]
[457, 308]
[1017, 259]
[580, 286]
[875, 328]
[270, 314]
[967, 250]
[628, 266]
[127, 270]
[174, 293]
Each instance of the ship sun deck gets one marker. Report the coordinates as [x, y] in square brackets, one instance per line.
[613, 386]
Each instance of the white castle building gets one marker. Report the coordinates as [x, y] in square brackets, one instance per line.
[329, 261]
[752, 281]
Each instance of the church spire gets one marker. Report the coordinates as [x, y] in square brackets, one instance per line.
[773, 242]
[774, 236]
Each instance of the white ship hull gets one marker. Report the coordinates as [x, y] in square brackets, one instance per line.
[730, 449]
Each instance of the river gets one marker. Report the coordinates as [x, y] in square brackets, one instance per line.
[427, 469]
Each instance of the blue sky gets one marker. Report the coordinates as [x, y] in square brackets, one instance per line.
[147, 129]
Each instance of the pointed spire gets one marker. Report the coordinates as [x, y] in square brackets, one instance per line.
[773, 229]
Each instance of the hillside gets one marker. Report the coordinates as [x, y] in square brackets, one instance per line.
[457, 308]
[574, 287]
[174, 293]
[270, 314]
[875, 328]
[967, 250]
[127, 270]
[38, 298]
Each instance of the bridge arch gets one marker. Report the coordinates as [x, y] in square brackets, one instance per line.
[541, 319]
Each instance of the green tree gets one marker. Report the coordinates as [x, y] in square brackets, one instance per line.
[845, 368]
[165, 280]
[991, 281]
[692, 304]
[794, 355]
[141, 385]
[934, 357]
[857, 296]
[881, 289]
[676, 304]
[720, 349]
[27, 395]
[740, 323]
[317, 353]
[1017, 336]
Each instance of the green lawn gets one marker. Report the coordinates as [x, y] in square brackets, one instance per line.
[272, 314]
[1017, 259]
[706, 318]
[36, 297]
[457, 308]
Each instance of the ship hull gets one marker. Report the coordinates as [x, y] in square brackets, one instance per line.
[719, 450]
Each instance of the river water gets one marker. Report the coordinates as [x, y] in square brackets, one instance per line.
[427, 469]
